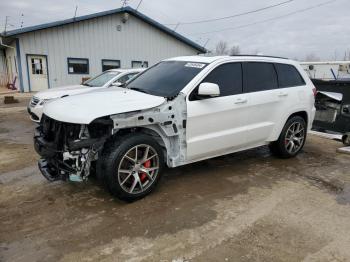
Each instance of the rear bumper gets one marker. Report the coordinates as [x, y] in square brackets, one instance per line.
[311, 118]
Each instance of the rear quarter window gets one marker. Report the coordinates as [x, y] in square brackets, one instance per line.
[288, 76]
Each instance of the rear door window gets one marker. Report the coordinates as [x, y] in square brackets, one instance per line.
[259, 76]
[288, 76]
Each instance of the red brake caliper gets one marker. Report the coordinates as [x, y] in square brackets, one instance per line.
[143, 175]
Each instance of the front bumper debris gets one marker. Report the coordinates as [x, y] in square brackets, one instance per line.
[49, 171]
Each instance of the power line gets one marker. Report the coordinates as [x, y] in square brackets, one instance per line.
[267, 20]
[235, 15]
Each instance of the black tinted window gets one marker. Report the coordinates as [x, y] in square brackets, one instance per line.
[78, 66]
[259, 76]
[167, 78]
[228, 77]
[288, 76]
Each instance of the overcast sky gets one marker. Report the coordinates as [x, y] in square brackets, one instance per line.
[323, 31]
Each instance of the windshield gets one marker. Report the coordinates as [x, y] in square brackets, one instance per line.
[101, 79]
[166, 78]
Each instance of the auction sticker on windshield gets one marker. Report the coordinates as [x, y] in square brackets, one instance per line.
[195, 65]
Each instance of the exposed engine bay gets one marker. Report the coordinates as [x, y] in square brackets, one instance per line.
[70, 151]
[67, 150]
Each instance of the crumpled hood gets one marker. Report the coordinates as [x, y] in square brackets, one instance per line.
[84, 108]
[58, 92]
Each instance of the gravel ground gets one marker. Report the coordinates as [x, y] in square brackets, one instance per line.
[247, 206]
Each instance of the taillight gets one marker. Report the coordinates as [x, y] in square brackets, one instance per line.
[314, 90]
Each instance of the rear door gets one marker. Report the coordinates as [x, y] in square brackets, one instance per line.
[292, 90]
[216, 125]
[265, 102]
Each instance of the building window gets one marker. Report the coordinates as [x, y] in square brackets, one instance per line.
[139, 64]
[110, 64]
[78, 65]
[37, 66]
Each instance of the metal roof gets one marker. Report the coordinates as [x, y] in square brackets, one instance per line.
[127, 9]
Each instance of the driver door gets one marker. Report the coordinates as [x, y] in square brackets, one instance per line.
[216, 125]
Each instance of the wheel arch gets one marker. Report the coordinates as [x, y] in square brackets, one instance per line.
[279, 127]
[154, 132]
[302, 114]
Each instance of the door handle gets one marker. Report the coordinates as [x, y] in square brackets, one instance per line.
[282, 94]
[241, 101]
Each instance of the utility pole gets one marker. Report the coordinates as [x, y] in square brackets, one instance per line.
[22, 20]
[138, 5]
[206, 42]
[6, 21]
[125, 3]
[75, 13]
[177, 25]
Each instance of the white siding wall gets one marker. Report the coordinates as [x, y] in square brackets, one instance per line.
[98, 39]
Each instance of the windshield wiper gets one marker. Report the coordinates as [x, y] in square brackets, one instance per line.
[138, 90]
[85, 84]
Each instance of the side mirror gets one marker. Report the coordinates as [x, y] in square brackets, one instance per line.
[208, 89]
[117, 84]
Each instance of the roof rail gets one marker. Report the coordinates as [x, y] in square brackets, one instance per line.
[262, 56]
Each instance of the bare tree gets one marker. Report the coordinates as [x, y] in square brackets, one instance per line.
[312, 58]
[221, 48]
[235, 50]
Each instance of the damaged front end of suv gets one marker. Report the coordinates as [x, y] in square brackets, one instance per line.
[70, 151]
[127, 135]
[67, 149]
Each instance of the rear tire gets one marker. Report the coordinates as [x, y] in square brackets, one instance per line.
[131, 166]
[292, 138]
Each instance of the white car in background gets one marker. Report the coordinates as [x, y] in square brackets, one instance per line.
[109, 78]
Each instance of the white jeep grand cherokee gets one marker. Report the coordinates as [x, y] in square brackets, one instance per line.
[180, 111]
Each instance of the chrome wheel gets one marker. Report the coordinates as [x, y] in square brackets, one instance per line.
[138, 169]
[295, 137]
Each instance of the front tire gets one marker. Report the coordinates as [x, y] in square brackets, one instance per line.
[131, 166]
[292, 138]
